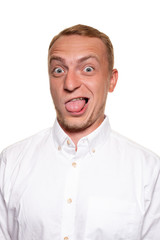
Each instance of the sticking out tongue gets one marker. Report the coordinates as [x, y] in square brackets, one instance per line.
[75, 105]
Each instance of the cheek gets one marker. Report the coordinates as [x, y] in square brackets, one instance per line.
[102, 92]
[101, 88]
[54, 94]
[54, 88]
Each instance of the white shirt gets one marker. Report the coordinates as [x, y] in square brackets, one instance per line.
[108, 190]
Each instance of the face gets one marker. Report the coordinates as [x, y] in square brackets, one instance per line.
[80, 81]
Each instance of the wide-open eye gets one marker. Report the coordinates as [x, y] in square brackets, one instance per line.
[58, 70]
[88, 69]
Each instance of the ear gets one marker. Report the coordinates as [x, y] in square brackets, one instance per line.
[113, 80]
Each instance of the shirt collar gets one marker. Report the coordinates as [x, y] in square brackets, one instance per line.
[89, 143]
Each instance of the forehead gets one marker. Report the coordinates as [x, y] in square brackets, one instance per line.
[76, 46]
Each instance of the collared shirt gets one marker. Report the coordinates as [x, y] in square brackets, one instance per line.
[109, 189]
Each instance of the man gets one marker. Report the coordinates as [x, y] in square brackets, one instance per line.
[79, 180]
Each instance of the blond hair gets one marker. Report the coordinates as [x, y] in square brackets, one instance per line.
[88, 31]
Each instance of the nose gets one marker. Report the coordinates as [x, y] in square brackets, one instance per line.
[72, 81]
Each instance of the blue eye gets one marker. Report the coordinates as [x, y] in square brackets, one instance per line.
[58, 70]
[88, 69]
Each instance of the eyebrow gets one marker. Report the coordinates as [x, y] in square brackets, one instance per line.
[57, 58]
[83, 59]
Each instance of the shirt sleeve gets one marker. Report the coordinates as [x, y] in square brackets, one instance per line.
[151, 226]
[4, 234]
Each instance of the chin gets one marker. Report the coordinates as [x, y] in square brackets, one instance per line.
[74, 125]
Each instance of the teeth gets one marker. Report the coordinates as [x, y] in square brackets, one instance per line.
[75, 99]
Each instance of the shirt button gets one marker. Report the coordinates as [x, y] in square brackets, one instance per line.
[93, 150]
[59, 148]
[74, 164]
[68, 142]
[69, 200]
[66, 238]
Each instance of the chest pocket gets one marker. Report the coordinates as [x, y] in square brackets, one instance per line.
[112, 219]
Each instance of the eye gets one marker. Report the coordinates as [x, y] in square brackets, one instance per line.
[88, 69]
[58, 70]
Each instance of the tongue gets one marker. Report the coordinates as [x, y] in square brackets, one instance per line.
[75, 106]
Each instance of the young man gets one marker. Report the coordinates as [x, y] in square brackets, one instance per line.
[79, 180]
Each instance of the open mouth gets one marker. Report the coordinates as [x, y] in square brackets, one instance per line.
[76, 104]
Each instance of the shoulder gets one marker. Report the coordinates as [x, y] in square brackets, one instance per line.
[141, 161]
[17, 159]
[31, 142]
[133, 150]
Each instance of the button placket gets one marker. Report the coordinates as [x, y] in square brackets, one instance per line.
[69, 206]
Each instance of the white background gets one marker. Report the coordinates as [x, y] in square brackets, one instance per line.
[27, 28]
